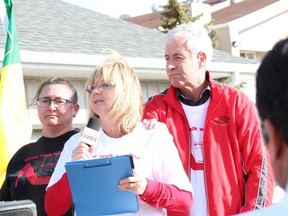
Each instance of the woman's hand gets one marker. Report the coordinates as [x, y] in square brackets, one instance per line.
[82, 152]
[149, 124]
[136, 184]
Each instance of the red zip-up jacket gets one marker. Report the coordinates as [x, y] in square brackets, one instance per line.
[237, 170]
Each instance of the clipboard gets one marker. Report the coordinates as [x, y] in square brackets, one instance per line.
[94, 186]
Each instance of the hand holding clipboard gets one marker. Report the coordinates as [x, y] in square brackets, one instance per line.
[94, 186]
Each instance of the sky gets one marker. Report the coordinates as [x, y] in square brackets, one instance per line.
[116, 8]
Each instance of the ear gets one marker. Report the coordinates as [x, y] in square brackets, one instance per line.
[76, 109]
[276, 142]
[201, 59]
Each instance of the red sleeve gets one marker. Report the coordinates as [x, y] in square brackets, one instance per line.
[262, 180]
[160, 195]
[257, 168]
[58, 198]
[256, 160]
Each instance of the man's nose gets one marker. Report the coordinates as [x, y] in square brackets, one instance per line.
[170, 66]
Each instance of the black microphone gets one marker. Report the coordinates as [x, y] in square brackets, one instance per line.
[91, 132]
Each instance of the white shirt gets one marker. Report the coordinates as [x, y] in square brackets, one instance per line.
[196, 116]
[154, 153]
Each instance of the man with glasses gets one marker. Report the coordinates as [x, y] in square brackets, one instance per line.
[31, 167]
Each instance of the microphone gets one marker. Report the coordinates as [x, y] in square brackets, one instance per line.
[91, 132]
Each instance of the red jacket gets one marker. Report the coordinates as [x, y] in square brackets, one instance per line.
[237, 169]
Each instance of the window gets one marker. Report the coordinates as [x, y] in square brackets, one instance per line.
[248, 55]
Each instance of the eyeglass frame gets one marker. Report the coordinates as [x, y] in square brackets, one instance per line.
[102, 86]
[40, 102]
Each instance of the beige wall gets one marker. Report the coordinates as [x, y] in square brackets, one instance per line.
[262, 37]
[257, 38]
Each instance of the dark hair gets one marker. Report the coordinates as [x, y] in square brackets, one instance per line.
[272, 87]
[57, 80]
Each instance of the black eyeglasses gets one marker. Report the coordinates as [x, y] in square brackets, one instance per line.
[58, 102]
[101, 86]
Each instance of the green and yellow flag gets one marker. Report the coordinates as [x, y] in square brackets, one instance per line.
[15, 127]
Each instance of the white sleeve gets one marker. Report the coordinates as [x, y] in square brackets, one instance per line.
[167, 162]
[65, 156]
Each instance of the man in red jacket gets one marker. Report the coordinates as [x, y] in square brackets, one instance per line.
[215, 128]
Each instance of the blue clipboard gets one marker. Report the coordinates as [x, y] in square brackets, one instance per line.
[94, 186]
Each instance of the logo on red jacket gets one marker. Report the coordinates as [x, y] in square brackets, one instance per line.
[221, 120]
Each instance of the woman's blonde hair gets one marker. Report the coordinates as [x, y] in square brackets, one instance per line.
[126, 108]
